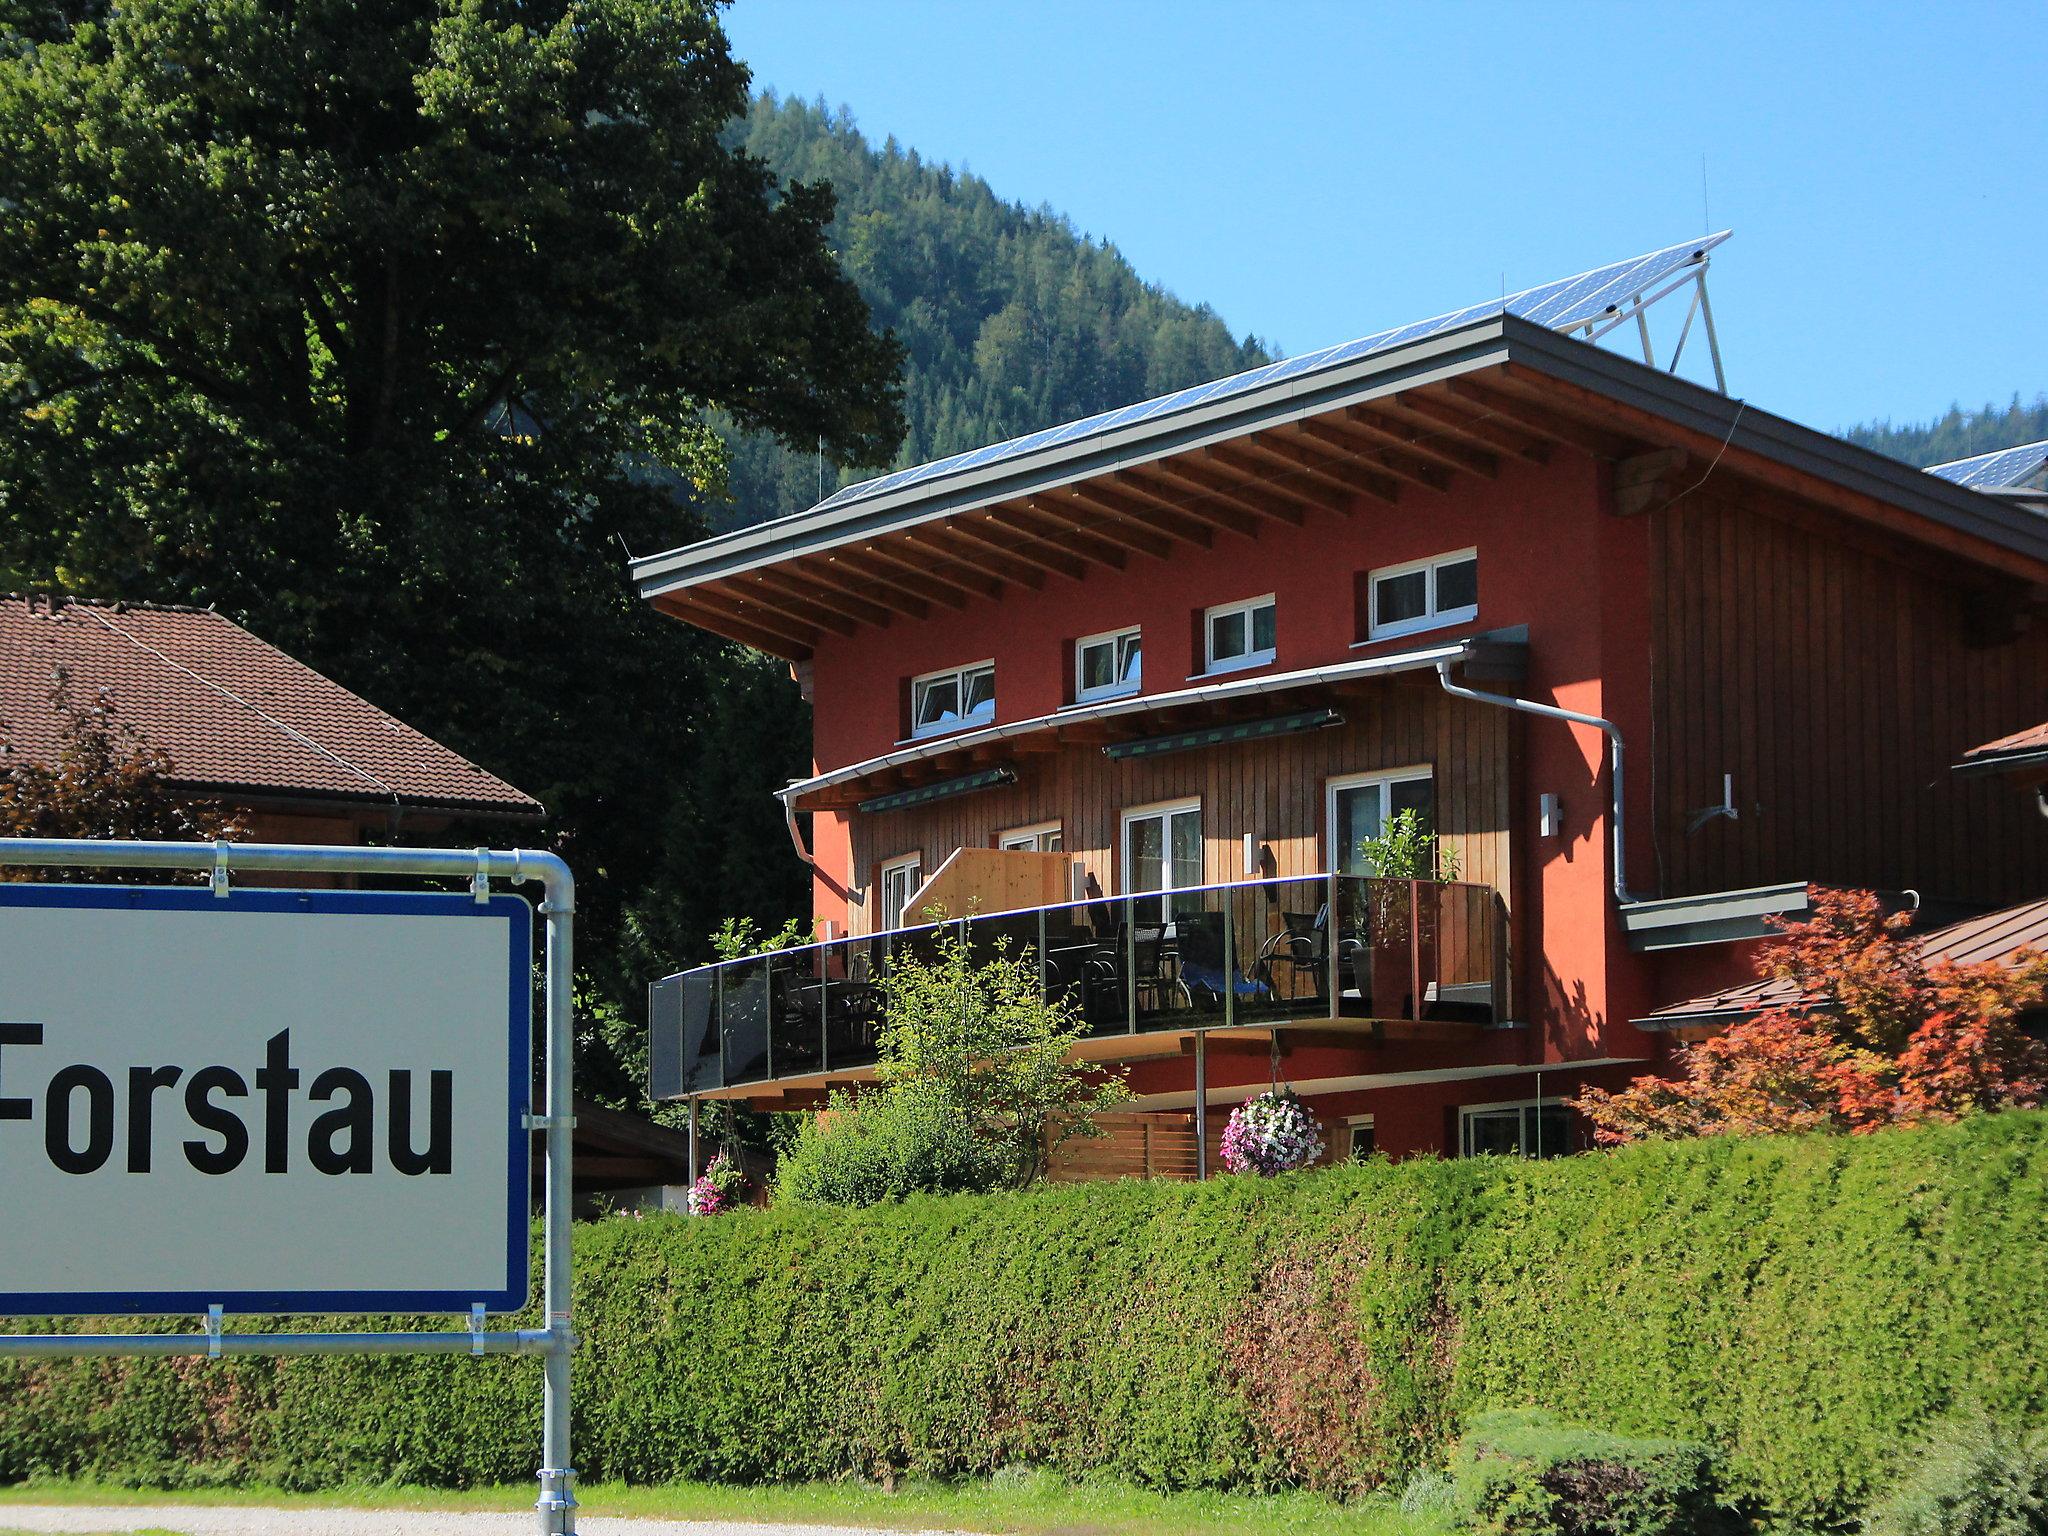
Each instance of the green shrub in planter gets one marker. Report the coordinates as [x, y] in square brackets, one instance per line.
[1972, 1477]
[1526, 1474]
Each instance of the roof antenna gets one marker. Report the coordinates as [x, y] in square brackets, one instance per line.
[1706, 209]
[821, 467]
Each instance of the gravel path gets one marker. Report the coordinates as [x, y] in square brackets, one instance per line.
[254, 1520]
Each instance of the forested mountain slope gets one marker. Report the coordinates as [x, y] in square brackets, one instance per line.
[1959, 434]
[1013, 320]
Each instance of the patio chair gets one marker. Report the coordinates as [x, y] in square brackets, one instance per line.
[1206, 971]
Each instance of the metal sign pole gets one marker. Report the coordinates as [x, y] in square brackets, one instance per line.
[554, 1341]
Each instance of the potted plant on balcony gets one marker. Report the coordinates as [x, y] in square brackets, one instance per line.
[1389, 914]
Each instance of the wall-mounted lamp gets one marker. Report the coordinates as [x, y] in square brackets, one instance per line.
[1549, 816]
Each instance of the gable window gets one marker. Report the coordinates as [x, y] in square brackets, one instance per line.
[1045, 837]
[1531, 1128]
[1423, 594]
[1107, 665]
[953, 700]
[1239, 634]
[1162, 853]
[1361, 806]
[900, 880]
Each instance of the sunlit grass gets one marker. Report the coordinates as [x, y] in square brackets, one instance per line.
[1027, 1504]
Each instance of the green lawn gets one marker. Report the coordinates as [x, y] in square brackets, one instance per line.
[1031, 1504]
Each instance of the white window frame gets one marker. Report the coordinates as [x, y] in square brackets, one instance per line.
[1118, 688]
[1246, 606]
[959, 676]
[902, 861]
[1431, 617]
[1165, 809]
[1385, 778]
[1351, 1124]
[1467, 1111]
[1027, 839]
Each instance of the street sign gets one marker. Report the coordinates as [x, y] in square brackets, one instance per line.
[268, 1101]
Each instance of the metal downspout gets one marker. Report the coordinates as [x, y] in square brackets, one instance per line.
[1552, 712]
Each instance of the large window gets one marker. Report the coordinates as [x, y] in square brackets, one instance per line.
[1423, 594]
[1530, 1128]
[953, 700]
[1107, 665]
[1239, 634]
[1162, 853]
[1360, 807]
[900, 880]
[1044, 837]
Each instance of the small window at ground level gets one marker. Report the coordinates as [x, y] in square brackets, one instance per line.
[1044, 838]
[953, 700]
[1423, 594]
[1362, 1142]
[1240, 634]
[1108, 665]
[1528, 1129]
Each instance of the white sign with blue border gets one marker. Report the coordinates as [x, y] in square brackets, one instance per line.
[280, 1101]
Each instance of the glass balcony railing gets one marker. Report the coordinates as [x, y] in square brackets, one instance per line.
[1246, 953]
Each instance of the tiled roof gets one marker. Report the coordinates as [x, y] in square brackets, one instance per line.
[1996, 936]
[230, 711]
[2019, 748]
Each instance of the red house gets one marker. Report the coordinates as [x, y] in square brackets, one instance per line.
[1647, 660]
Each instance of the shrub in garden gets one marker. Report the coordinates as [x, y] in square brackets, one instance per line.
[1273, 1133]
[1972, 1477]
[1521, 1473]
[975, 1085]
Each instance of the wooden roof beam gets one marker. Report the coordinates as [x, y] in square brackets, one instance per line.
[909, 580]
[1507, 397]
[942, 539]
[1402, 466]
[825, 570]
[1063, 527]
[1434, 446]
[985, 530]
[1485, 431]
[798, 615]
[1221, 497]
[1097, 522]
[1256, 476]
[1339, 476]
[970, 586]
[857, 610]
[1208, 509]
[1149, 512]
[763, 632]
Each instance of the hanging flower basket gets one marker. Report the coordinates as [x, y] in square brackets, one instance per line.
[719, 1188]
[1273, 1133]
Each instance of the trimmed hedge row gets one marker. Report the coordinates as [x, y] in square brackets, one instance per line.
[1805, 1305]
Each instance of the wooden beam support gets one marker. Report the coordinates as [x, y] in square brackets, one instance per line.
[1434, 446]
[764, 632]
[1487, 432]
[1402, 466]
[1346, 478]
[1064, 527]
[1505, 396]
[1149, 513]
[854, 610]
[884, 571]
[826, 571]
[1186, 498]
[1018, 544]
[1116, 530]
[1647, 480]
[1220, 497]
[1254, 473]
[943, 540]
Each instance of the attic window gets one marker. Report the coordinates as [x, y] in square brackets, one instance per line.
[953, 700]
[1423, 594]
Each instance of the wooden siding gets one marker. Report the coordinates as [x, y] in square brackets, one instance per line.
[1273, 789]
[1837, 682]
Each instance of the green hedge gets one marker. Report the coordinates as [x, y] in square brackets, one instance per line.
[1805, 1306]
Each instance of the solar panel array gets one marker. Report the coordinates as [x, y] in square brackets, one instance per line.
[2001, 470]
[1562, 305]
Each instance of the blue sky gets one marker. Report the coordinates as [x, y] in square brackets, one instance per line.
[1318, 170]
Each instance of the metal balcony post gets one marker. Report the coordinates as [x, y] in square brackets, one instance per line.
[1415, 950]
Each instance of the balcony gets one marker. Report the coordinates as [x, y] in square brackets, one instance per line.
[1411, 959]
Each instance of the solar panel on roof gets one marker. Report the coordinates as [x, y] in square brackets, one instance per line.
[1564, 305]
[2003, 469]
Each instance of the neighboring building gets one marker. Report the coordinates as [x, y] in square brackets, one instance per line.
[245, 726]
[2021, 758]
[1180, 660]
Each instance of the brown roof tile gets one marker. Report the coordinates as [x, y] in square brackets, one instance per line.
[230, 711]
[2020, 749]
[1996, 936]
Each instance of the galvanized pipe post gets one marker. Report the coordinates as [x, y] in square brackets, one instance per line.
[556, 1505]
